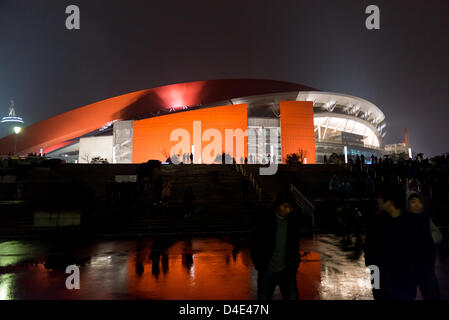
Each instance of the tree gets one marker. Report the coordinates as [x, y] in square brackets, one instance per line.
[334, 159]
[99, 160]
[296, 159]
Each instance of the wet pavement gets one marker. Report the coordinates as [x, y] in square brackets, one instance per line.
[171, 268]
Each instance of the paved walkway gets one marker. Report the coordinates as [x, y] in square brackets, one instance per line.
[176, 268]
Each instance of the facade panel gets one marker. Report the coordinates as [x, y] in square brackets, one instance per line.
[151, 137]
[297, 129]
[90, 148]
[123, 142]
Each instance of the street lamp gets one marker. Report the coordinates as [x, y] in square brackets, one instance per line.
[16, 130]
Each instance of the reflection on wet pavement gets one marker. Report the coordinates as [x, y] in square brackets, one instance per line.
[168, 268]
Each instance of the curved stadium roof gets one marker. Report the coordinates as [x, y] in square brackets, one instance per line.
[61, 130]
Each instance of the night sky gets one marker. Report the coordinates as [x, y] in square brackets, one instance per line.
[125, 46]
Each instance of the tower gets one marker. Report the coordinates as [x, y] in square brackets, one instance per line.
[11, 122]
[406, 138]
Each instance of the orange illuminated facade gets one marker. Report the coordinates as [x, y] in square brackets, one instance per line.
[297, 129]
[60, 130]
[151, 137]
[155, 114]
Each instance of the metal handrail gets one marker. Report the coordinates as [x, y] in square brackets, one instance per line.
[303, 203]
[252, 180]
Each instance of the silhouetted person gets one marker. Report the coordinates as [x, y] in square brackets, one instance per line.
[246, 160]
[372, 159]
[358, 227]
[187, 261]
[343, 218]
[188, 202]
[165, 265]
[370, 186]
[155, 258]
[139, 268]
[157, 192]
[244, 183]
[424, 253]
[275, 249]
[334, 184]
[166, 192]
[362, 159]
[325, 159]
[388, 246]
[191, 158]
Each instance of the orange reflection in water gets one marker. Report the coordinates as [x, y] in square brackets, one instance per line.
[209, 270]
[309, 276]
[192, 272]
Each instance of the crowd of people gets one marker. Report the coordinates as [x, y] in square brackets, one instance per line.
[430, 178]
[401, 238]
[401, 241]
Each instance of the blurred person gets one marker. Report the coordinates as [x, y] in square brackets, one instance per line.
[157, 191]
[166, 192]
[189, 198]
[244, 184]
[426, 237]
[334, 184]
[343, 219]
[388, 246]
[274, 249]
[358, 216]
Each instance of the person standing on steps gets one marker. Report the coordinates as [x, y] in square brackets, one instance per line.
[157, 191]
[166, 193]
[244, 183]
[189, 198]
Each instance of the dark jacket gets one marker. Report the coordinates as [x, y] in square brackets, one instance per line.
[423, 249]
[263, 241]
[388, 245]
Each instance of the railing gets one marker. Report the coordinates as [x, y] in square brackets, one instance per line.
[306, 206]
[256, 185]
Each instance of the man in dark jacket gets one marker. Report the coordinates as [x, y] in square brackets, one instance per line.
[424, 249]
[388, 246]
[275, 249]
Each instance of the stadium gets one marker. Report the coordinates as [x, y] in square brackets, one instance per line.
[280, 118]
